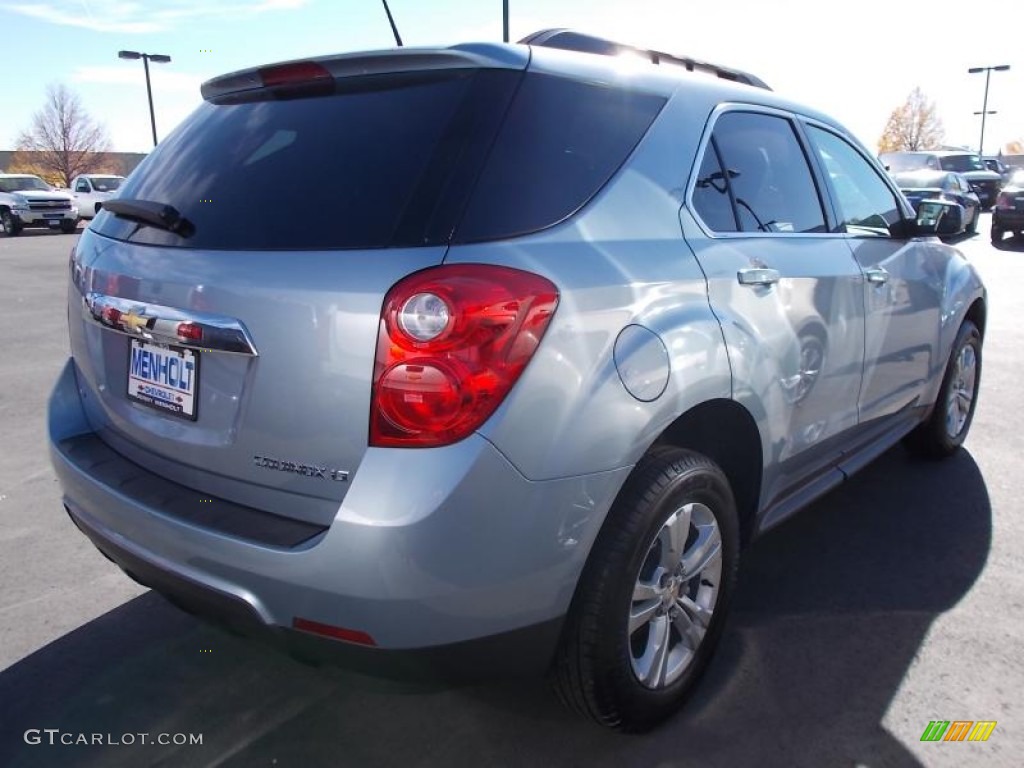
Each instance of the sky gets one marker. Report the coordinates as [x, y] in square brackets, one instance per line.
[856, 61]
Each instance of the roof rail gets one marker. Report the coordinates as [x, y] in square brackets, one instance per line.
[568, 40]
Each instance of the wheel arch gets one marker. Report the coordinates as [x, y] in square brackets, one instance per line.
[977, 313]
[725, 432]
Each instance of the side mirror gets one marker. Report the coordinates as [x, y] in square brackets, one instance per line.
[934, 216]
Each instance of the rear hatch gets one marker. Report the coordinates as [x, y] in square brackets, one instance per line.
[235, 356]
[226, 304]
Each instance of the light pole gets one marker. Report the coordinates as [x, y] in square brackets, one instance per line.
[984, 106]
[146, 58]
[504, 21]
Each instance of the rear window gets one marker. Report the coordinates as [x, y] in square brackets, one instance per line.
[918, 180]
[962, 163]
[908, 162]
[392, 161]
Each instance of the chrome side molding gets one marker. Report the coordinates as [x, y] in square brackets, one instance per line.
[165, 325]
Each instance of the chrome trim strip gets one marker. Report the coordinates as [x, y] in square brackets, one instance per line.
[159, 324]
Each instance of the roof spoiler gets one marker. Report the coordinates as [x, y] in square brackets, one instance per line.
[568, 40]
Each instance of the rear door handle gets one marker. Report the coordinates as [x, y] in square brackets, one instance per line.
[758, 276]
[876, 275]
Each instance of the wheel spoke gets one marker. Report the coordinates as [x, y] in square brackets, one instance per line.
[704, 550]
[673, 538]
[689, 629]
[655, 659]
[641, 614]
[696, 612]
[647, 590]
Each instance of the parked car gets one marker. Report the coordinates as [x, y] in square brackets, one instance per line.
[558, 351]
[1008, 214]
[996, 165]
[918, 186]
[985, 183]
[28, 201]
[92, 190]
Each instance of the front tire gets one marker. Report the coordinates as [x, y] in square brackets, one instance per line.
[10, 224]
[947, 427]
[974, 222]
[652, 599]
[69, 227]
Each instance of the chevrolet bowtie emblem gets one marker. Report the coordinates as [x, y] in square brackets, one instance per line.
[132, 322]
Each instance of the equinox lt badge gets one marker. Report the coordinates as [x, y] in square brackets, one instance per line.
[309, 470]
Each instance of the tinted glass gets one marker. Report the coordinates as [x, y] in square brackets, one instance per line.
[364, 167]
[711, 194]
[769, 175]
[905, 161]
[918, 179]
[561, 142]
[106, 185]
[82, 186]
[20, 183]
[962, 163]
[866, 204]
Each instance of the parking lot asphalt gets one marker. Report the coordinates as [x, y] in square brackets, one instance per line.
[893, 601]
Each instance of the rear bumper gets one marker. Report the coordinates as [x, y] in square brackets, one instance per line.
[1008, 220]
[525, 651]
[429, 550]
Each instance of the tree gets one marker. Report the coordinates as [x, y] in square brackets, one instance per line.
[912, 125]
[64, 140]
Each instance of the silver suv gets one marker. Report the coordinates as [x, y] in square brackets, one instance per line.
[551, 339]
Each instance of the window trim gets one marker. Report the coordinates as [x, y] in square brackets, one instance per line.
[794, 119]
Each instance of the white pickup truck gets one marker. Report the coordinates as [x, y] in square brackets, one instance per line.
[91, 190]
[28, 201]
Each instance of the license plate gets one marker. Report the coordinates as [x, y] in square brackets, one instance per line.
[164, 377]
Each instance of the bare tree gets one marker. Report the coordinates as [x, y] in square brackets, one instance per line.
[912, 125]
[64, 140]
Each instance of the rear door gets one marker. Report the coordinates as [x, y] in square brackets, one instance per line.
[904, 278]
[785, 287]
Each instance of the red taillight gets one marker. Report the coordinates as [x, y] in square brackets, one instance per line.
[452, 342]
[190, 331]
[1004, 201]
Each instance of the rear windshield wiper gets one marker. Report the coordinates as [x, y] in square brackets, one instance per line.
[153, 214]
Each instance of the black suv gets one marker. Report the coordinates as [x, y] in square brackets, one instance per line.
[1008, 214]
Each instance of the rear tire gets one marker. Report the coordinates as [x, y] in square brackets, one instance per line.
[651, 602]
[997, 235]
[946, 429]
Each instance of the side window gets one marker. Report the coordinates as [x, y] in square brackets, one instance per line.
[866, 204]
[711, 194]
[82, 186]
[767, 173]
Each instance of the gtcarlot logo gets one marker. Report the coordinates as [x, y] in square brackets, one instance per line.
[55, 737]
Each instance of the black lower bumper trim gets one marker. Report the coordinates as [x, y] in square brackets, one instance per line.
[105, 465]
